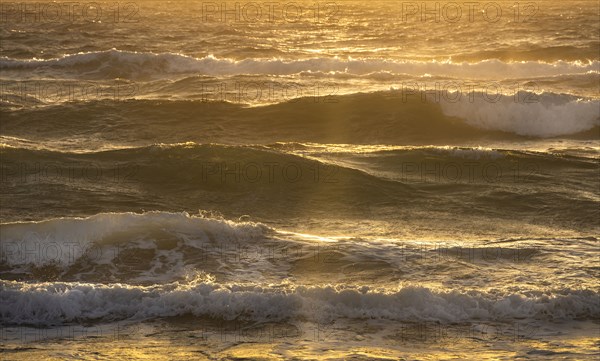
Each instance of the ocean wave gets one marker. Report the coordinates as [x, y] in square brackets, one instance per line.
[63, 242]
[72, 244]
[387, 117]
[546, 115]
[269, 180]
[533, 52]
[291, 181]
[59, 303]
[293, 166]
[126, 64]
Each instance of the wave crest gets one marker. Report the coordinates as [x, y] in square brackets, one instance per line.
[58, 303]
[126, 64]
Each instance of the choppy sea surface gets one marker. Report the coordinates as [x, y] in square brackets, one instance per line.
[300, 180]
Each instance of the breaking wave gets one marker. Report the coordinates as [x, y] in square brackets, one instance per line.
[58, 303]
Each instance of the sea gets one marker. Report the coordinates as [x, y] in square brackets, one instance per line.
[300, 180]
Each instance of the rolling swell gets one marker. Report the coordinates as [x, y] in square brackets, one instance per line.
[287, 180]
[371, 118]
[232, 179]
[191, 162]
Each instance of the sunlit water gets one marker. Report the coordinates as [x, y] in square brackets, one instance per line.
[350, 180]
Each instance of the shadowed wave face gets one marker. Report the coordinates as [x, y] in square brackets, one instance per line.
[320, 180]
[393, 117]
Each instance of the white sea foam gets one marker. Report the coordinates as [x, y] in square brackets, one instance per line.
[62, 241]
[548, 116]
[56, 303]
